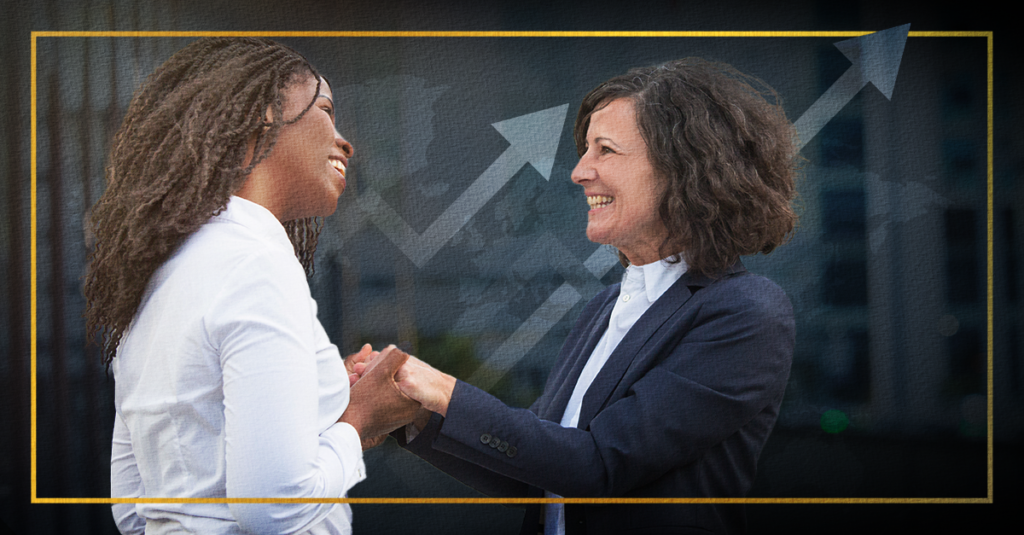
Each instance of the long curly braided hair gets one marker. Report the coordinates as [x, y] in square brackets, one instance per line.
[176, 160]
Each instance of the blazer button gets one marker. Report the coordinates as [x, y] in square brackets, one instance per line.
[503, 447]
[485, 438]
[511, 451]
[494, 442]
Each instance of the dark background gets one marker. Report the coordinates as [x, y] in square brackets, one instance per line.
[886, 272]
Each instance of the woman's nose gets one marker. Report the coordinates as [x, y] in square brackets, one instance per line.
[346, 147]
[583, 171]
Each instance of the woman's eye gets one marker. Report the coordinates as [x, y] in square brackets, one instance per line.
[606, 150]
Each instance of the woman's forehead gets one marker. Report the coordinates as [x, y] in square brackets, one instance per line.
[325, 88]
[301, 89]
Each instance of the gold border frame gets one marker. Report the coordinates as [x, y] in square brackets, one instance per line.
[33, 284]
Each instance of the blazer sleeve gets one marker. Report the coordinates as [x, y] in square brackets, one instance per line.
[482, 479]
[479, 478]
[707, 371]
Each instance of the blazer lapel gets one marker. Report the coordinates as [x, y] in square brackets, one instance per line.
[566, 384]
[673, 300]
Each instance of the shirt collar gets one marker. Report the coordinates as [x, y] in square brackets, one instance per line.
[256, 218]
[657, 277]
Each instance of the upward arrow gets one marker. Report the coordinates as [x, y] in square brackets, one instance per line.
[582, 282]
[533, 139]
[876, 59]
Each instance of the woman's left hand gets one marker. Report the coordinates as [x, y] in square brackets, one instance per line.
[356, 362]
[377, 405]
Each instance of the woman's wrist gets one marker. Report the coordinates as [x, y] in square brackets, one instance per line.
[446, 387]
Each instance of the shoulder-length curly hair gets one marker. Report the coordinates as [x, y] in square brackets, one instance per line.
[176, 160]
[722, 143]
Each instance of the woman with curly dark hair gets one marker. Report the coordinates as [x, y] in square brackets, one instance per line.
[670, 382]
[226, 385]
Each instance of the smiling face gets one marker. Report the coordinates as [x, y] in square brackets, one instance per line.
[621, 186]
[304, 174]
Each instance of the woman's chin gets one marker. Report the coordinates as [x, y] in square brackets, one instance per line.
[597, 234]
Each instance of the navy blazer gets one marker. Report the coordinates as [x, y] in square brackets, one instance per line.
[682, 408]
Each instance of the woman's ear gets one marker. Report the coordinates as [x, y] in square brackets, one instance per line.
[250, 148]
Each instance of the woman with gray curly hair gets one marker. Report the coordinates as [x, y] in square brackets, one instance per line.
[670, 382]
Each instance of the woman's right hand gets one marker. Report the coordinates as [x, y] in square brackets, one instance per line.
[431, 387]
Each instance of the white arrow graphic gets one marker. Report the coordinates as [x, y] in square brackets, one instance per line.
[554, 308]
[876, 59]
[533, 139]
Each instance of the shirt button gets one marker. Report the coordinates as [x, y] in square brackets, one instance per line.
[503, 447]
[511, 451]
[495, 442]
[625, 298]
[485, 438]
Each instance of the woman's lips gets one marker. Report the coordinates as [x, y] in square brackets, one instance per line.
[339, 165]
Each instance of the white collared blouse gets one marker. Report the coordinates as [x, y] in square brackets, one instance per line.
[226, 385]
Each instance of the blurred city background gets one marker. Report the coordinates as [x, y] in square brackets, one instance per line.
[887, 272]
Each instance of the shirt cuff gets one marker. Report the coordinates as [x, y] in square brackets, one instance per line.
[343, 439]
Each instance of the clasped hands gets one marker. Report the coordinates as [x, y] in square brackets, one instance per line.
[390, 389]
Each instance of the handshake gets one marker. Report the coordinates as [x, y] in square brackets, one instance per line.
[390, 389]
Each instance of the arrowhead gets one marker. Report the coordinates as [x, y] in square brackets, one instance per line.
[535, 136]
[878, 55]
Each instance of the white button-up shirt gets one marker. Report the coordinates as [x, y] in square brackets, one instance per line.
[641, 287]
[227, 386]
